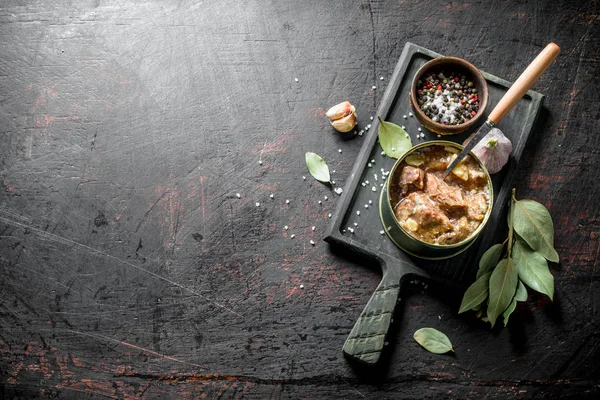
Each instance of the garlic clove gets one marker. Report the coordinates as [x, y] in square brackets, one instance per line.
[345, 124]
[340, 110]
[342, 116]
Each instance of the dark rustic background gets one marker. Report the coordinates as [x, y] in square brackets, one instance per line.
[128, 266]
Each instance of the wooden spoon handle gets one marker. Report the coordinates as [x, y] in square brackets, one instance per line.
[525, 82]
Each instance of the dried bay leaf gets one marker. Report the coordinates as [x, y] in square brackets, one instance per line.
[476, 293]
[533, 223]
[503, 284]
[393, 139]
[533, 269]
[433, 340]
[490, 259]
[317, 167]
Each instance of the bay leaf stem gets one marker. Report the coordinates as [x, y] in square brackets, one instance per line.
[511, 222]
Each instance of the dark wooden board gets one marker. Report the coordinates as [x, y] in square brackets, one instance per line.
[356, 223]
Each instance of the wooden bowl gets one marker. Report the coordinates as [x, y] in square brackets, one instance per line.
[454, 65]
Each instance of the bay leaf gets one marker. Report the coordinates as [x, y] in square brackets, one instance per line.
[533, 223]
[393, 139]
[317, 167]
[520, 295]
[503, 284]
[533, 269]
[433, 340]
[476, 293]
[490, 259]
[509, 310]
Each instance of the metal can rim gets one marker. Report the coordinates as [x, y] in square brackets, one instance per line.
[481, 226]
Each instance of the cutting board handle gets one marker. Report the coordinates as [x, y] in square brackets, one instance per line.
[367, 338]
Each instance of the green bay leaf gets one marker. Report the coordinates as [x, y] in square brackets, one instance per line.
[533, 269]
[433, 340]
[490, 259]
[521, 293]
[475, 294]
[506, 314]
[393, 139]
[533, 223]
[317, 167]
[503, 284]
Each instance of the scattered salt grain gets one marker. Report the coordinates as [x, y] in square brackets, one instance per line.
[271, 195]
[369, 165]
[381, 78]
[375, 176]
[366, 206]
[319, 201]
[419, 129]
[381, 232]
[260, 162]
[403, 127]
[351, 230]
[301, 286]
[285, 227]
[404, 116]
[333, 182]
[339, 150]
[370, 201]
[329, 215]
[383, 153]
[360, 133]
[393, 149]
[410, 114]
[374, 188]
[238, 195]
[325, 197]
[303, 178]
[374, 87]
[312, 242]
[292, 236]
[287, 202]
[363, 184]
[338, 190]
[367, 182]
[439, 136]
[356, 225]
[373, 161]
[313, 228]
[369, 126]
[257, 204]
[358, 213]
[296, 79]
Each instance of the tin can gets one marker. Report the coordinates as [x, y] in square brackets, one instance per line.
[407, 242]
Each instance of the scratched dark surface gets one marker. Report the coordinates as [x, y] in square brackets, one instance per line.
[130, 269]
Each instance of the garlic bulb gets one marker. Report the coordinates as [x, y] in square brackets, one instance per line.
[493, 150]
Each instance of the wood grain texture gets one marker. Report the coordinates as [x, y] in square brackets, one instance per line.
[130, 269]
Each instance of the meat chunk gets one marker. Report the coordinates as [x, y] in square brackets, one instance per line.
[460, 231]
[478, 205]
[449, 198]
[411, 178]
[422, 217]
